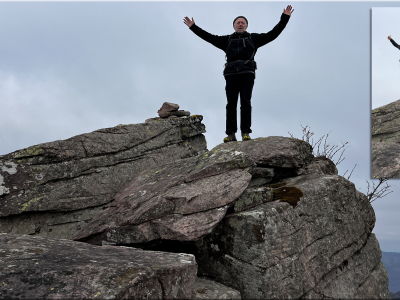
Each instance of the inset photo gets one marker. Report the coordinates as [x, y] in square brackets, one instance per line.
[385, 114]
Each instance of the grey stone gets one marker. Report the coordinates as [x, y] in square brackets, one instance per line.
[252, 197]
[385, 160]
[40, 268]
[87, 170]
[319, 165]
[273, 151]
[278, 250]
[385, 121]
[363, 270]
[209, 289]
[180, 113]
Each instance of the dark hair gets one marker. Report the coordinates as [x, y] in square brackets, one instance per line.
[240, 17]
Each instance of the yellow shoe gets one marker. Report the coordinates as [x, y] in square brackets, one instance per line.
[230, 138]
[245, 137]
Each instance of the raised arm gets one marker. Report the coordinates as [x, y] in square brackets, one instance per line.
[393, 42]
[260, 39]
[188, 22]
[220, 42]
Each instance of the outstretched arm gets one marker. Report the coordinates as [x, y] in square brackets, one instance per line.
[393, 42]
[220, 42]
[265, 38]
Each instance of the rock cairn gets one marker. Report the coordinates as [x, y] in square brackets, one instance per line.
[169, 111]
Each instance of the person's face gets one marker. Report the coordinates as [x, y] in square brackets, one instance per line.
[240, 25]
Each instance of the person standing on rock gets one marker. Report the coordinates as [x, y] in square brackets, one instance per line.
[393, 42]
[240, 48]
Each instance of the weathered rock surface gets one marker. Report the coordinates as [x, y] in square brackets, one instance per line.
[385, 156]
[54, 189]
[385, 160]
[41, 268]
[278, 250]
[208, 289]
[385, 121]
[264, 217]
[186, 199]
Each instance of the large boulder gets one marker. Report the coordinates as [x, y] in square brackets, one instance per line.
[42, 268]
[294, 247]
[385, 154]
[54, 189]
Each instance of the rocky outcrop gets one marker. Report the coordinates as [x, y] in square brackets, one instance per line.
[54, 189]
[42, 268]
[277, 249]
[264, 217]
[385, 154]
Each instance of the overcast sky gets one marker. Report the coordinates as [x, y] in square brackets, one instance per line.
[74, 67]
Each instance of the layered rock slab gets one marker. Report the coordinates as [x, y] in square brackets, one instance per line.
[186, 199]
[49, 181]
[36, 267]
[364, 271]
[183, 200]
[278, 250]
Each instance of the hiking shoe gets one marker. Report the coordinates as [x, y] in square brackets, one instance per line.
[230, 138]
[246, 137]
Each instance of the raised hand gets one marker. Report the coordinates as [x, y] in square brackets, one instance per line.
[389, 37]
[288, 10]
[188, 22]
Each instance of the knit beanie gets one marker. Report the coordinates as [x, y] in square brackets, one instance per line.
[240, 17]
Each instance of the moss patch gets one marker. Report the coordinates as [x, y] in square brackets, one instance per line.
[289, 194]
[28, 152]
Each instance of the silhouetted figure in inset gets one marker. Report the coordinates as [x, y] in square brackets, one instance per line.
[393, 42]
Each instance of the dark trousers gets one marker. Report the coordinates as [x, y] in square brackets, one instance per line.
[239, 84]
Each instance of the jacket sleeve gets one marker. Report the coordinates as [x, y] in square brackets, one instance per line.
[260, 39]
[395, 44]
[220, 42]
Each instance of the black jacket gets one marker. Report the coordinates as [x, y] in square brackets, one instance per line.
[395, 44]
[241, 46]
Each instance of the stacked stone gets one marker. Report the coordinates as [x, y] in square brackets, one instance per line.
[169, 111]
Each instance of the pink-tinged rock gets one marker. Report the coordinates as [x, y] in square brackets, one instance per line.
[189, 227]
[209, 192]
[162, 193]
[167, 108]
[40, 268]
